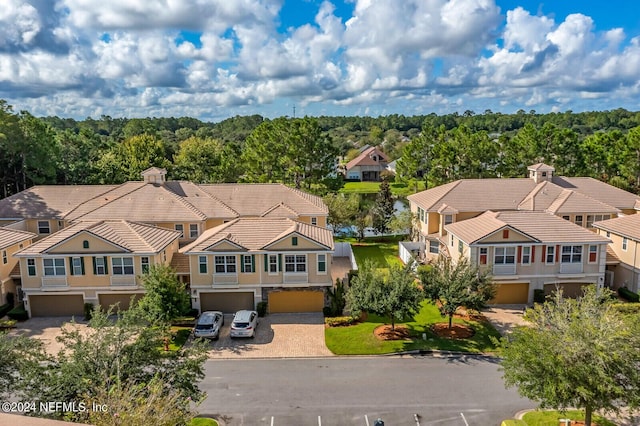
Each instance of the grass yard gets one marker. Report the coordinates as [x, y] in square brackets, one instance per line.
[179, 336]
[550, 418]
[397, 189]
[383, 251]
[359, 339]
[202, 421]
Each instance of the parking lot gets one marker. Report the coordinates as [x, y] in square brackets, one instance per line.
[277, 336]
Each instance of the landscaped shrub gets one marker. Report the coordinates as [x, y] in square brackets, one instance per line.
[18, 313]
[627, 308]
[11, 298]
[88, 311]
[4, 309]
[627, 294]
[351, 275]
[340, 321]
[538, 296]
[7, 324]
[326, 311]
[262, 308]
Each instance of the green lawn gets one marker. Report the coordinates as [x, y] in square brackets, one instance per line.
[179, 336]
[397, 189]
[550, 418]
[201, 421]
[359, 339]
[383, 251]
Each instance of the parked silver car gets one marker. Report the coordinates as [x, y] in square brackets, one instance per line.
[209, 324]
[244, 324]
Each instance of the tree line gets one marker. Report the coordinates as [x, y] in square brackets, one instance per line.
[302, 152]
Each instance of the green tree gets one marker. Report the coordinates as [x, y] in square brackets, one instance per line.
[576, 353]
[198, 160]
[383, 209]
[394, 295]
[343, 209]
[165, 297]
[452, 285]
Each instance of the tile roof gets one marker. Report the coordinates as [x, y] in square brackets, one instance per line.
[364, 159]
[132, 237]
[627, 226]
[9, 237]
[541, 227]
[601, 191]
[258, 233]
[571, 201]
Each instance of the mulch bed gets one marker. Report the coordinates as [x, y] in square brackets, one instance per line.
[384, 332]
[457, 331]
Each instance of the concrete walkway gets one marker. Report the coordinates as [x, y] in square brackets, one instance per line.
[505, 317]
[47, 329]
[277, 336]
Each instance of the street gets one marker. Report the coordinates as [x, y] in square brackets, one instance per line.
[465, 391]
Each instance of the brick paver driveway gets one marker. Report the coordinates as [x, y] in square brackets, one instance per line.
[277, 336]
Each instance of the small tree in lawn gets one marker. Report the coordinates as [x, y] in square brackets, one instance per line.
[576, 353]
[383, 209]
[395, 296]
[165, 297]
[452, 285]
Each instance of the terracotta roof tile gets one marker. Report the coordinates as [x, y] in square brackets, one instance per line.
[364, 159]
[9, 237]
[627, 226]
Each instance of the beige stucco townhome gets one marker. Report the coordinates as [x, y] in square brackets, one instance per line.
[11, 241]
[624, 267]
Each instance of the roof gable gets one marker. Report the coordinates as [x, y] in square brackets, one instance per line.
[365, 158]
[10, 237]
[626, 226]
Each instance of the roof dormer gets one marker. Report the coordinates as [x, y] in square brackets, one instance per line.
[541, 172]
[154, 175]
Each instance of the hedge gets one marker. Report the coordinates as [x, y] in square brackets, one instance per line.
[4, 309]
[18, 313]
[628, 294]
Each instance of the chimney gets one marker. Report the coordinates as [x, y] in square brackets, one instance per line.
[154, 175]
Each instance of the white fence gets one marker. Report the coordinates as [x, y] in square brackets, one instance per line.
[344, 250]
[410, 251]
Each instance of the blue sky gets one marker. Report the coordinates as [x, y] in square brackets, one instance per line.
[213, 59]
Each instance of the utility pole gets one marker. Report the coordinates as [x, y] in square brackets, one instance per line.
[294, 111]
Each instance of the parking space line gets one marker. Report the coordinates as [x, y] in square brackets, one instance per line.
[319, 421]
[271, 420]
[463, 419]
[366, 419]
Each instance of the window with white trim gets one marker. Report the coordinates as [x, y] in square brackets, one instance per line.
[31, 267]
[593, 254]
[54, 266]
[193, 230]
[322, 263]
[122, 265]
[571, 254]
[225, 264]
[43, 227]
[434, 246]
[101, 268]
[448, 218]
[202, 264]
[460, 246]
[5, 258]
[314, 221]
[295, 263]
[625, 242]
[273, 264]
[144, 263]
[578, 220]
[551, 254]
[78, 269]
[247, 263]
[483, 255]
[179, 227]
[504, 256]
[596, 218]
[526, 255]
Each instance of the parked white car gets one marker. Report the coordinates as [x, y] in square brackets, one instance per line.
[244, 324]
[209, 324]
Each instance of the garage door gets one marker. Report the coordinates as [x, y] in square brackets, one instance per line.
[226, 302]
[123, 300]
[572, 290]
[296, 301]
[56, 305]
[511, 293]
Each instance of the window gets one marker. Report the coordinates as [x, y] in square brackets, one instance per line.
[448, 218]
[593, 254]
[551, 254]
[566, 217]
[247, 263]
[505, 233]
[596, 218]
[54, 267]
[483, 255]
[526, 255]
[225, 264]
[43, 227]
[589, 221]
[202, 264]
[5, 259]
[625, 242]
[294, 241]
[122, 265]
[421, 214]
[100, 266]
[314, 221]
[144, 262]
[434, 247]
[544, 174]
[31, 267]
[571, 254]
[85, 244]
[451, 240]
[273, 264]
[295, 263]
[193, 230]
[578, 220]
[179, 227]
[505, 256]
[460, 247]
[608, 234]
[322, 263]
[77, 266]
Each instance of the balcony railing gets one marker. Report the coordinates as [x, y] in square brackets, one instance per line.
[571, 268]
[54, 281]
[225, 279]
[295, 278]
[508, 269]
[123, 280]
